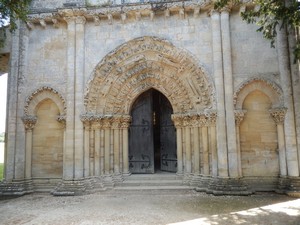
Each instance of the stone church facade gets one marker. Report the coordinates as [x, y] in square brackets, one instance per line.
[100, 90]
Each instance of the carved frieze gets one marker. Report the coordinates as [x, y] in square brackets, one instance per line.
[278, 114]
[194, 120]
[99, 121]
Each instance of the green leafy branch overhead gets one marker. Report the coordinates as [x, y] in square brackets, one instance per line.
[271, 15]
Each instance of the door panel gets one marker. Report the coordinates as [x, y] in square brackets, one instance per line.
[167, 137]
[141, 151]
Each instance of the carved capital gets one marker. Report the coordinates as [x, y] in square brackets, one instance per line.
[62, 120]
[80, 20]
[239, 116]
[278, 114]
[125, 121]
[29, 121]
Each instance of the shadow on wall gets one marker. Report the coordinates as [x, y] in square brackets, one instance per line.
[281, 213]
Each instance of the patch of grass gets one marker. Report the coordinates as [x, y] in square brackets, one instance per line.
[1, 170]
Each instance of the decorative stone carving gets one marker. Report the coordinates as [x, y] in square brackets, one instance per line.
[62, 119]
[44, 92]
[257, 83]
[106, 121]
[29, 121]
[278, 114]
[194, 120]
[239, 116]
[148, 62]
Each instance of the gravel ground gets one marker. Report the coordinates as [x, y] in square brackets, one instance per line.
[150, 207]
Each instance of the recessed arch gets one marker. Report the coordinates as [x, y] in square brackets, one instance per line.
[39, 96]
[269, 88]
[144, 63]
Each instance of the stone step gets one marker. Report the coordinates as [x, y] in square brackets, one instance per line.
[166, 176]
[152, 183]
[131, 188]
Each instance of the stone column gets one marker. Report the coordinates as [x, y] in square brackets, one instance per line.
[78, 95]
[289, 125]
[188, 153]
[97, 152]
[212, 117]
[124, 126]
[228, 85]
[278, 114]
[29, 123]
[239, 116]
[87, 130]
[196, 144]
[107, 144]
[116, 138]
[68, 167]
[219, 84]
[178, 125]
[204, 139]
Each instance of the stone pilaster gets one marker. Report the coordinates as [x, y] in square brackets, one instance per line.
[289, 125]
[69, 154]
[228, 88]
[219, 85]
[78, 95]
[125, 122]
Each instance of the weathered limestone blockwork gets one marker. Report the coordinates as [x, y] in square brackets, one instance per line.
[76, 71]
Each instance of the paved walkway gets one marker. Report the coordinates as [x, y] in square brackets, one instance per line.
[151, 207]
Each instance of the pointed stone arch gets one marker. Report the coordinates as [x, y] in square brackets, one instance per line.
[144, 63]
[41, 94]
[269, 88]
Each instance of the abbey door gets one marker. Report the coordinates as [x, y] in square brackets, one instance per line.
[152, 137]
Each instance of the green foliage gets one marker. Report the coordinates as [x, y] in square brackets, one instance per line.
[270, 15]
[11, 11]
[1, 170]
[2, 137]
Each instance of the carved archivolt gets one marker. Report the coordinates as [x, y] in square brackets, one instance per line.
[272, 90]
[145, 63]
[41, 94]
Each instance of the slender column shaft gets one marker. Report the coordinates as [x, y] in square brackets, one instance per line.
[125, 151]
[205, 150]
[106, 150]
[196, 150]
[213, 148]
[28, 154]
[102, 151]
[219, 83]
[281, 147]
[179, 151]
[116, 151]
[86, 150]
[97, 152]
[239, 150]
[188, 150]
[91, 153]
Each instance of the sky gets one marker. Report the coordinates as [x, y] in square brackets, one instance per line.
[3, 88]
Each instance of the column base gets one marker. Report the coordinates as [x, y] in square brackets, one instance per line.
[16, 187]
[201, 182]
[78, 187]
[289, 186]
[228, 186]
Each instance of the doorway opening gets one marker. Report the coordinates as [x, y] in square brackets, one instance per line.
[152, 135]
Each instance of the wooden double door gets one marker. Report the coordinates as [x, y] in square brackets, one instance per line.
[152, 135]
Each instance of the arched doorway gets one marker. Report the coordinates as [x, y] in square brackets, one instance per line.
[152, 137]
